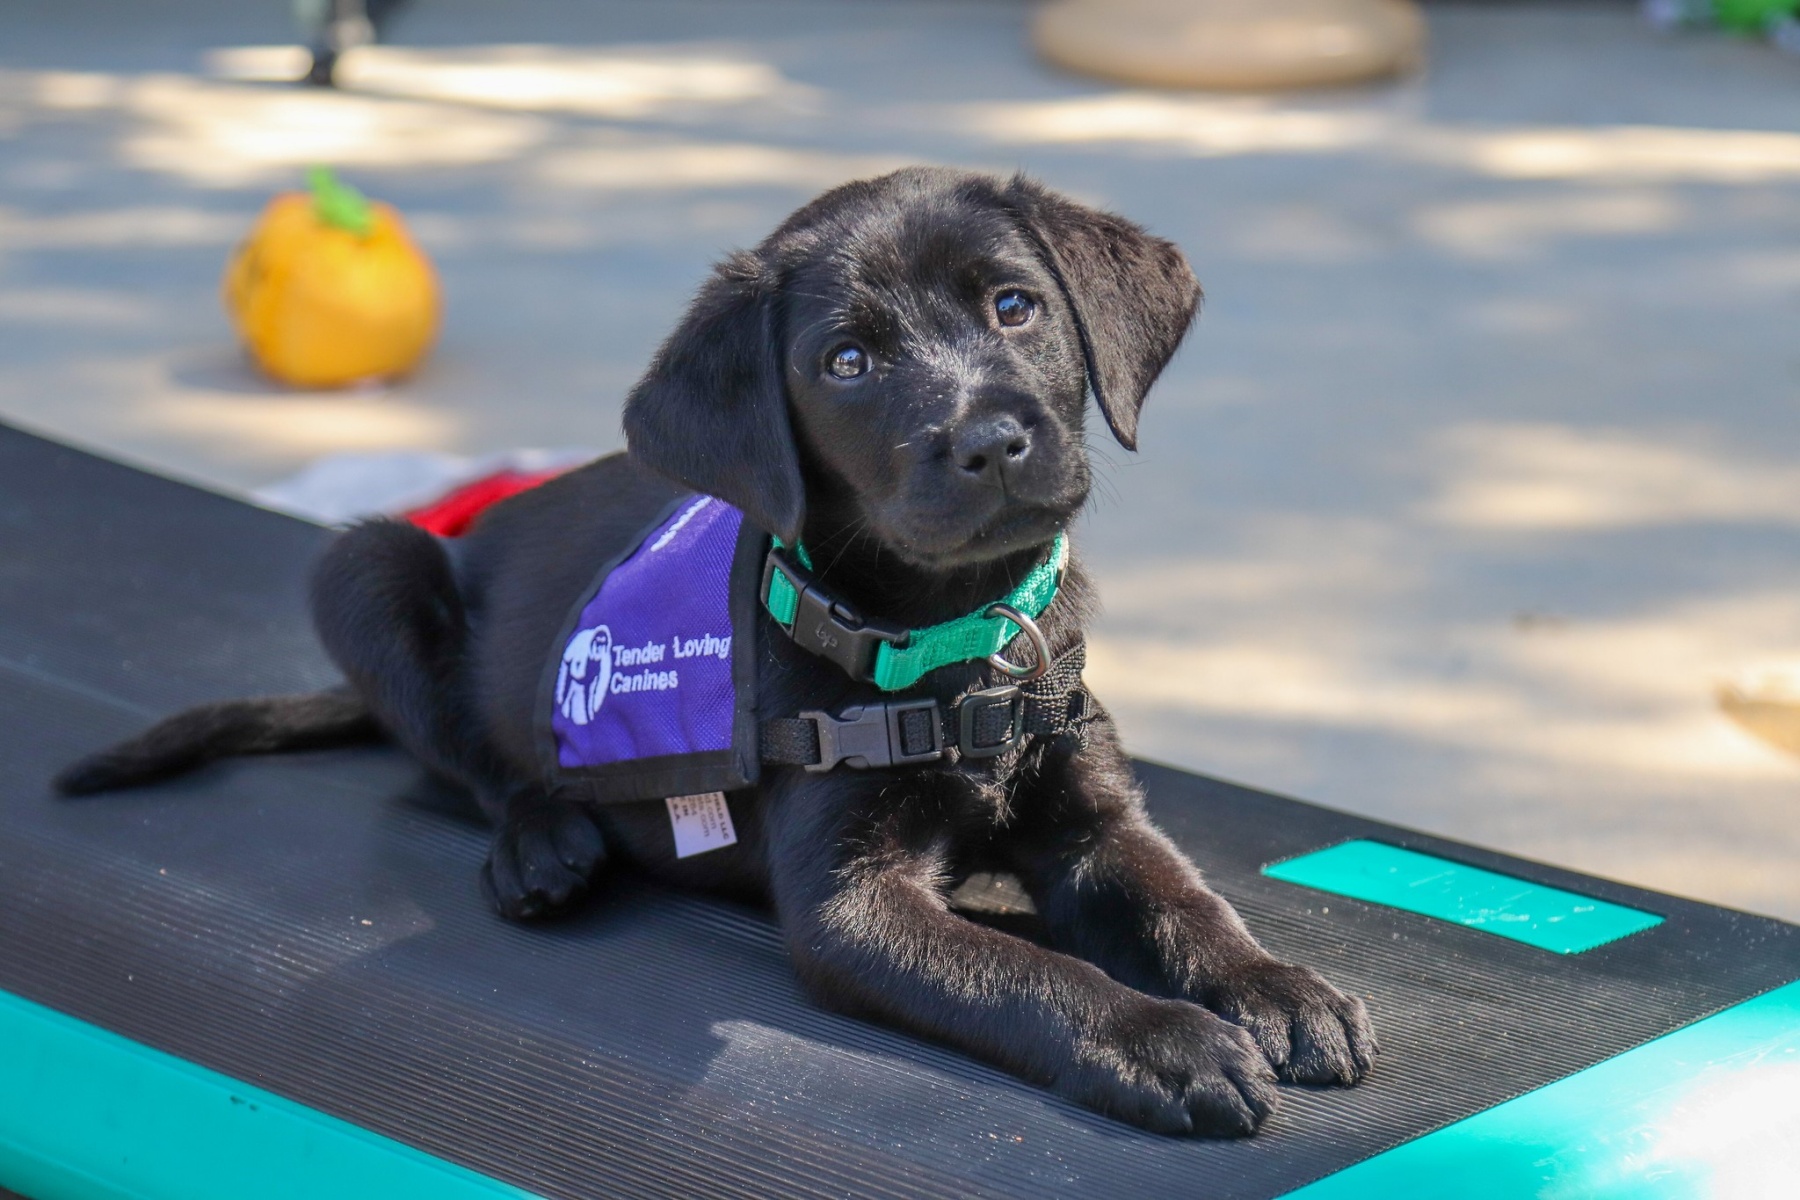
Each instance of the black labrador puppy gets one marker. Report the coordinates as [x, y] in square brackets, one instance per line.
[896, 379]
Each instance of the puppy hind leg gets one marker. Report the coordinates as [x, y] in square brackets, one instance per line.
[544, 857]
[388, 611]
[386, 607]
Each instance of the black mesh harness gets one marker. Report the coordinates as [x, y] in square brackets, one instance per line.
[975, 725]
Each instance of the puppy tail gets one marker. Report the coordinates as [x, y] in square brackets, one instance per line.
[335, 717]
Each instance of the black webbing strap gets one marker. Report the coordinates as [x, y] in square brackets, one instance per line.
[790, 741]
[1057, 702]
[908, 732]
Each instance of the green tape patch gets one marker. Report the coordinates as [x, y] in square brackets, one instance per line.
[1546, 917]
[88, 1115]
[1709, 1112]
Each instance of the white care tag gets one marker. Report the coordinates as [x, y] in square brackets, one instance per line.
[701, 823]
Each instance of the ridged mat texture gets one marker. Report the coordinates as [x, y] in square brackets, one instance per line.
[311, 924]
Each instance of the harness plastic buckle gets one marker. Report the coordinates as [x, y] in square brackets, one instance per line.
[975, 705]
[879, 735]
[827, 627]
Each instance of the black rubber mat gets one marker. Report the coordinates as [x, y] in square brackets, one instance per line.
[311, 924]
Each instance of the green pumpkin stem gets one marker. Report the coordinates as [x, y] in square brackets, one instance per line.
[338, 204]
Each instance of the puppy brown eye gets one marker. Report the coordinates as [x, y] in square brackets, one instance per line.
[847, 362]
[1014, 308]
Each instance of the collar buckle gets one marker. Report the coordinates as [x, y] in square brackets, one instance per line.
[890, 733]
[981, 733]
[828, 627]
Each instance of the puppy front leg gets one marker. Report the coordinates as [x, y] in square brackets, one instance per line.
[871, 935]
[1115, 891]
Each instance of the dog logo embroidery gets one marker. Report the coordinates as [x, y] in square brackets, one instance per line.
[586, 671]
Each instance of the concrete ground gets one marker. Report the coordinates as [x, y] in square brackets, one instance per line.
[1480, 475]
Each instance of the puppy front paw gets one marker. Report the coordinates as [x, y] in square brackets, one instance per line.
[540, 863]
[1172, 1067]
[1308, 1030]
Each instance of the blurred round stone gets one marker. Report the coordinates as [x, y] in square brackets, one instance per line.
[1232, 44]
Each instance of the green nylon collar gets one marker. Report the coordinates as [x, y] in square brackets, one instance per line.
[899, 665]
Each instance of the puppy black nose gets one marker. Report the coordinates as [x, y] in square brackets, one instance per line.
[992, 449]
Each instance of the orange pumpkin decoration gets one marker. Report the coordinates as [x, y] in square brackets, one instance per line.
[329, 289]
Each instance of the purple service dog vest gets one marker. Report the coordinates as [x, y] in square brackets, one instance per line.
[652, 690]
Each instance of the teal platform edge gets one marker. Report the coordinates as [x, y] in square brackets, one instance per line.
[88, 1115]
[1709, 1112]
[1538, 915]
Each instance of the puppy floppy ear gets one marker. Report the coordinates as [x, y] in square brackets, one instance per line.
[711, 412]
[1133, 295]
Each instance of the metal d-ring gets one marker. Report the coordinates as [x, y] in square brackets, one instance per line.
[1039, 645]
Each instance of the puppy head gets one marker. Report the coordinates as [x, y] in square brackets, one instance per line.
[910, 356]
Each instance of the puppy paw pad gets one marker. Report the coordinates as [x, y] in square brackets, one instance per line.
[542, 863]
[1307, 1030]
